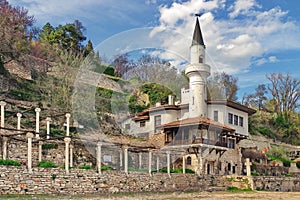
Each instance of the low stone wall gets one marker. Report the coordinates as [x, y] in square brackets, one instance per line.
[274, 183]
[17, 180]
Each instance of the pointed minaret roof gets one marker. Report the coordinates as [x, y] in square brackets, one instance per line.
[197, 37]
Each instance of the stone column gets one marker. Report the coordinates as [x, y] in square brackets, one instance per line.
[183, 164]
[29, 152]
[67, 142]
[40, 150]
[4, 147]
[157, 163]
[2, 104]
[168, 162]
[19, 115]
[71, 155]
[68, 115]
[4, 139]
[48, 120]
[121, 159]
[140, 160]
[99, 156]
[248, 166]
[149, 162]
[126, 160]
[37, 122]
[200, 162]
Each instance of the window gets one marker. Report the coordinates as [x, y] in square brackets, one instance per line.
[216, 115]
[189, 160]
[229, 167]
[127, 126]
[230, 118]
[241, 121]
[201, 59]
[142, 123]
[236, 120]
[231, 143]
[157, 121]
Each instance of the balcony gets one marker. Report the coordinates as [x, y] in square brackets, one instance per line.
[196, 141]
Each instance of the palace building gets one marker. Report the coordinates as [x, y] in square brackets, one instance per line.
[206, 131]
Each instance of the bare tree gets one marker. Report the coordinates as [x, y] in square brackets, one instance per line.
[258, 99]
[222, 86]
[285, 91]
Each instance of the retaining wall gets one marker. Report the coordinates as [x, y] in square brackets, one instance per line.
[17, 180]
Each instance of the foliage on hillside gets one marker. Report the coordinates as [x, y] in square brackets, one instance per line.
[154, 93]
[277, 116]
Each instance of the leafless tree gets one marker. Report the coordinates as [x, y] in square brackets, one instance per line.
[285, 90]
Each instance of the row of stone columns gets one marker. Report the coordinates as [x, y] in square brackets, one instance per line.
[30, 136]
[125, 152]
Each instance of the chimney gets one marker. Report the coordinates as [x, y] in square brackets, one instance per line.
[171, 99]
[157, 104]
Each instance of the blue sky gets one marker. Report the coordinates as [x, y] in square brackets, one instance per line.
[246, 38]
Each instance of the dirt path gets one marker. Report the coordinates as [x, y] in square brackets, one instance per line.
[200, 195]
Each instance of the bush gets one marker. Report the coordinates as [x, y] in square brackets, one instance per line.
[104, 168]
[9, 162]
[298, 164]
[235, 189]
[85, 167]
[49, 146]
[180, 170]
[46, 164]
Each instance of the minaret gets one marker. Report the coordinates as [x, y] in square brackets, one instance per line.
[197, 71]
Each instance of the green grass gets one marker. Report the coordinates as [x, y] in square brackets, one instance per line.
[235, 189]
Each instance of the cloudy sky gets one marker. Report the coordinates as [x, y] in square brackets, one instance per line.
[247, 38]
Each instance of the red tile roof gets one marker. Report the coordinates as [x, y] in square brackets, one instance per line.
[195, 121]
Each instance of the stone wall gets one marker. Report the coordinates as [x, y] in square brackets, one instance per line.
[17, 180]
[273, 183]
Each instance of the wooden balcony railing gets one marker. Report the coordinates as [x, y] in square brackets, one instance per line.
[197, 141]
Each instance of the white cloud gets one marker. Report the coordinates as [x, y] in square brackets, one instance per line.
[233, 43]
[270, 59]
[242, 7]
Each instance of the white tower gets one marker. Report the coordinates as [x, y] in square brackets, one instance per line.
[197, 71]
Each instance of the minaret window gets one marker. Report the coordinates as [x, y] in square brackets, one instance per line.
[200, 59]
[216, 115]
[193, 101]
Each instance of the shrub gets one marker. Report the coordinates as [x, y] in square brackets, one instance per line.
[46, 164]
[235, 189]
[180, 170]
[85, 167]
[298, 164]
[9, 162]
[104, 168]
[49, 146]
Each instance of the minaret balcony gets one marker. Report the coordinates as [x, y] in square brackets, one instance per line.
[200, 68]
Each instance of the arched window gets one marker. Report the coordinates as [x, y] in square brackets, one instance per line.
[189, 160]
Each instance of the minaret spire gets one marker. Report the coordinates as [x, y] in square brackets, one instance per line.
[197, 71]
[197, 37]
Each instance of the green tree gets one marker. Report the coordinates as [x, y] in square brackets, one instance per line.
[154, 93]
[69, 36]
